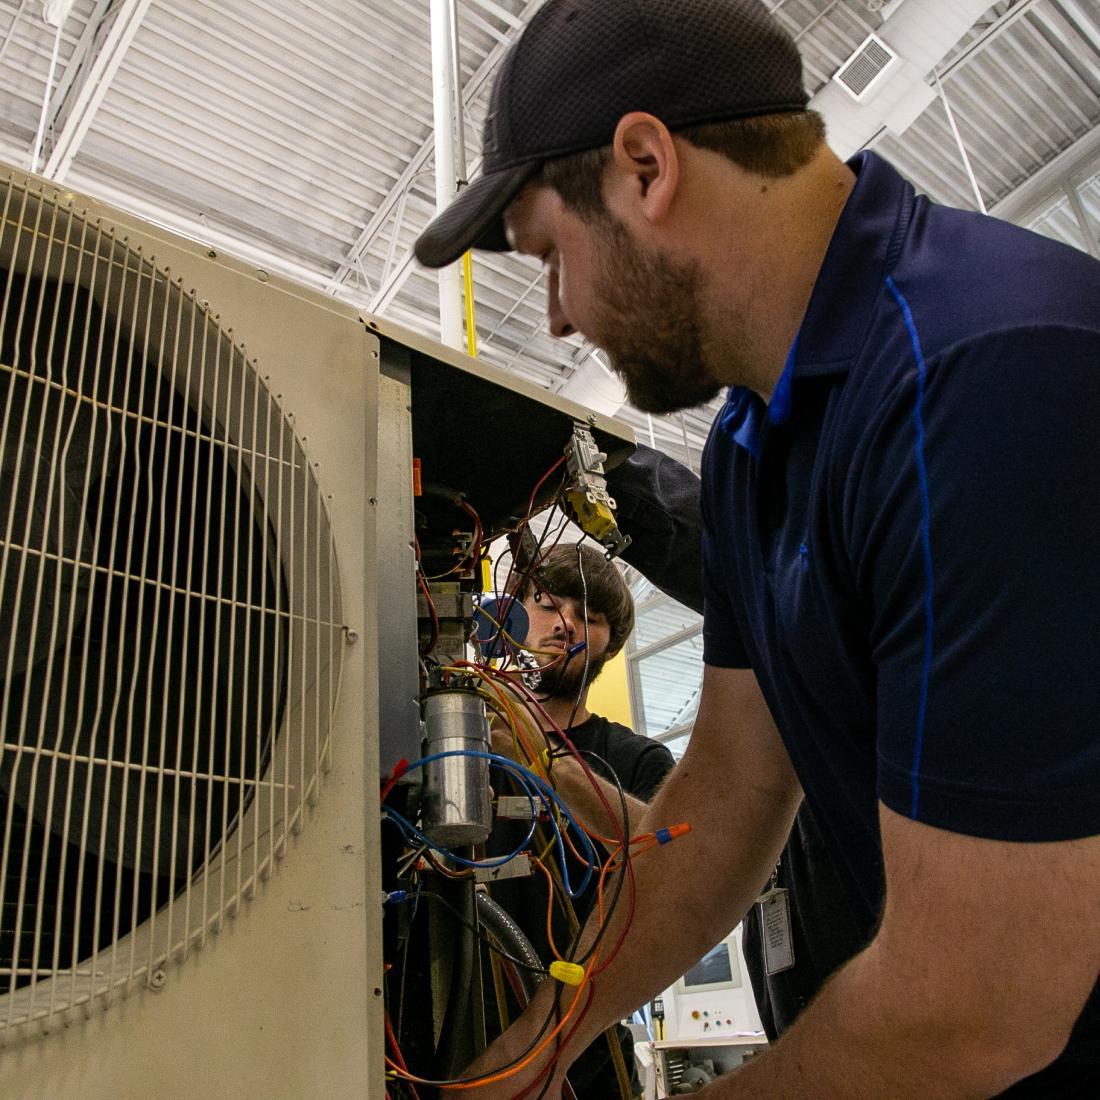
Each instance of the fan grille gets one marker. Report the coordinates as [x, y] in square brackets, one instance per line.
[170, 632]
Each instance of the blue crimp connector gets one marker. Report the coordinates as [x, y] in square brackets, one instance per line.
[395, 898]
[663, 836]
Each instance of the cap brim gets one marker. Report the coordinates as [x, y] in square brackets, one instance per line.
[474, 219]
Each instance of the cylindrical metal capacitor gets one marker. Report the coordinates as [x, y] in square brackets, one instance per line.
[455, 811]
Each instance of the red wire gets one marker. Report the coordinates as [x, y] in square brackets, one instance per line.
[548, 1068]
[397, 1055]
[527, 518]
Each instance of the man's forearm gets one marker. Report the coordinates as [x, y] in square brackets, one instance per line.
[603, 816]
[866, 1035]
[709, 854]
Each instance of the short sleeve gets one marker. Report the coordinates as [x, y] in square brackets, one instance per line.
[975, 530]
[722, 644]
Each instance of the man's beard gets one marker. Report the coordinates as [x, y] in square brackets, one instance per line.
[647, 320]
[563, 679]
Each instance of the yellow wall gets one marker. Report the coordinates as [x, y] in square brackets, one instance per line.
[609, 696]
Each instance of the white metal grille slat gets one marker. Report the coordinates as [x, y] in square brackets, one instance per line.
[36, 605]
[71, 622]
[242, 733]
[207, 837]
[292, 634]
[132, 415]
[21, 576]
[104, 706]
[104, 328]
[260, 502]
[275, 686]
[89, 567]
[246, 717]
[58, 459]
[153, 337]
[185, 675]
[107, 762]
[170, 659]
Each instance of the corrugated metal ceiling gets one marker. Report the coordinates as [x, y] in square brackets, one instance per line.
[298, 133]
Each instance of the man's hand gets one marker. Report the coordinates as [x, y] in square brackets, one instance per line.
[735, 781]
[508, 1048]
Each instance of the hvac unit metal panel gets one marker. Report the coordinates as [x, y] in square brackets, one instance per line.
[187, 646]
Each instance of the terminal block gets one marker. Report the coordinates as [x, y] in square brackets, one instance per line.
[592, 506]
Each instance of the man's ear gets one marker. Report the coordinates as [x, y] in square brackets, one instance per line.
[645, 167]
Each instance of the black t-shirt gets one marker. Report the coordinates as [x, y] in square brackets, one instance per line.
[641, 765]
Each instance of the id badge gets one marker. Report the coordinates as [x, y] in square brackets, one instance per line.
[775, 922]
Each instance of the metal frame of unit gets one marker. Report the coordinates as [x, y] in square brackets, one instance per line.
[285, 996]
[303, 946]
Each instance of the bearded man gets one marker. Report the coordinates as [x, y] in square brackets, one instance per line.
[901, 501]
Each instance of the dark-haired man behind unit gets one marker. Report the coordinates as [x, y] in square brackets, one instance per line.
[577, 596]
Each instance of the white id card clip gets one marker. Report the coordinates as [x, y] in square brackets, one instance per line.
[775, 924]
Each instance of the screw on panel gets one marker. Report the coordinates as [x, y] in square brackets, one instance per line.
[351, 636]
[591, 418]
[157, 980]
[211, 254]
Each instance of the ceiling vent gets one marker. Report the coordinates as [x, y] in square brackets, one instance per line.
[864, 72]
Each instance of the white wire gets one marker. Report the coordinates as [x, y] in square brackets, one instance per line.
[959, 142]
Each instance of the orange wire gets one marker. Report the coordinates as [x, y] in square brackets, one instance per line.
[549, 909]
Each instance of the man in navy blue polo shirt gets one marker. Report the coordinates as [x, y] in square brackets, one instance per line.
[902, 504]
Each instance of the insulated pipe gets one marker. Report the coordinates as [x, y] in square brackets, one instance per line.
[446, 178]
[510, 936]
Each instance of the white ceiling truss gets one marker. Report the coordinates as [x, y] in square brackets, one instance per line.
[298, 134]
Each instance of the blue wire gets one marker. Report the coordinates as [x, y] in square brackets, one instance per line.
[542, 790]
[544, 793]
[526, 776]
[411, 830]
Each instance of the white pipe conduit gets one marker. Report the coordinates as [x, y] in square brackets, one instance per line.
[446, 180]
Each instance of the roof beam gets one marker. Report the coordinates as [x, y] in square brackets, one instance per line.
[101, 72]
[79, 55]
[1051, 180]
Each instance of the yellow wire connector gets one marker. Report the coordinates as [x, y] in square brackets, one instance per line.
[567, 973]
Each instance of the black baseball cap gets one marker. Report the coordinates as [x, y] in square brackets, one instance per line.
[580, 65]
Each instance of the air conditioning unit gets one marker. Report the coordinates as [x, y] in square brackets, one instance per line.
[867, 69]
[207, 644]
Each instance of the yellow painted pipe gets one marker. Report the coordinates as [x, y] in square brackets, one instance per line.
[471, 315]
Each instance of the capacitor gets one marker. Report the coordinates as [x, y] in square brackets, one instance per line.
[455, 810]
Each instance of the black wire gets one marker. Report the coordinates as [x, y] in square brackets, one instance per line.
[523, 1053]
[584, 609]
[620, 875]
